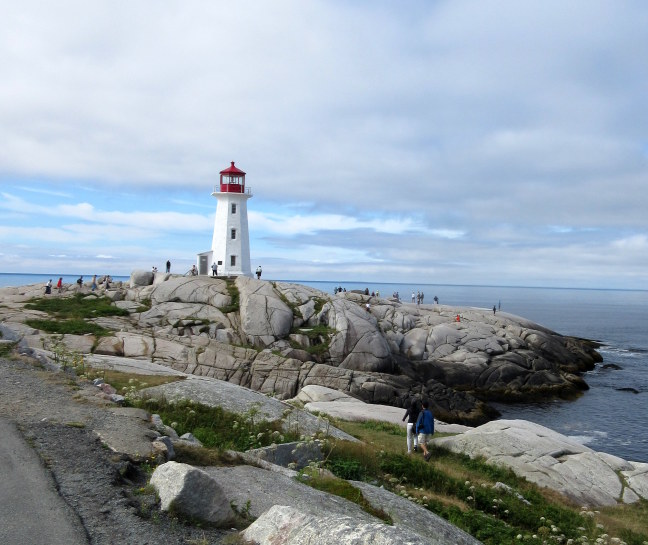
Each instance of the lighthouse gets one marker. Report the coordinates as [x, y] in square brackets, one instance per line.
[230, 248]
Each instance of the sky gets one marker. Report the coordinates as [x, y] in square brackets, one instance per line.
[434, 142]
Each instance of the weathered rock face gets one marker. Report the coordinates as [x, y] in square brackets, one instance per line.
[550, 459]
[282, 337]
[282, 525]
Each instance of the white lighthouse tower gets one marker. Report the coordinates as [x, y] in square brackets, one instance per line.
[230, 248]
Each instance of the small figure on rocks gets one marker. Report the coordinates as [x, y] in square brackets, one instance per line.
[168, 266]
[59, 284]
[93, 287]
[425, 428]
[436, 300]
[194, 271]
[214, 269]
[48, 286]
[412, 416]
[258, 272]
[494, 309]
[80, 282]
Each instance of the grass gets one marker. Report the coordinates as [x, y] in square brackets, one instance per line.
[344, 489]
[462, 491]
[68, 327]
[216, 427]
[77, 307]
[70, 315]
[129, 382]
[235, 298]
[6, 349]
[319, 337]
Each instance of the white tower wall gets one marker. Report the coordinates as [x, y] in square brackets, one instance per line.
[224, 247]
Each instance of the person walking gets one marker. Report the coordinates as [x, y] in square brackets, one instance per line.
[214, 269]
[168, 266]
[59, 284]
[425, 428]
[258, 272]
[411, 414]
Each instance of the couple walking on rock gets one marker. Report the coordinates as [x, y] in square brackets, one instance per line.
[420, 427]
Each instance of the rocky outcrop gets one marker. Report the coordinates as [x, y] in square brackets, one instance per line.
[278, 338]
[555, 461]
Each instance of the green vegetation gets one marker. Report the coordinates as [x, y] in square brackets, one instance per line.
[234, 294]
[77, 307]
[344, 489]
[129, 383]
[68, 327]
[71, 314]
[216, 427]
[464, 491]
[319, 337]
[319, 304]
[6, 349]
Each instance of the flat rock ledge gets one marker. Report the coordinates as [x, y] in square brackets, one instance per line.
[555, 461]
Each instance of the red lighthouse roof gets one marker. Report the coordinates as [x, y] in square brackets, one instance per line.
[232, 170]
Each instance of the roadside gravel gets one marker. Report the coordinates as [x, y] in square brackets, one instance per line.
[100, 487]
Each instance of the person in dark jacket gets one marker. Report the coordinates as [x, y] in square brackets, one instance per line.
[425, 428]
[412, 415]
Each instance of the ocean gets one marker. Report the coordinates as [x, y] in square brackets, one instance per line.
[612, 416]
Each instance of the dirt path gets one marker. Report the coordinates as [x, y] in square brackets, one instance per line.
[99, 487]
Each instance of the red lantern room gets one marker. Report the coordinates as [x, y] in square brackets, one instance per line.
[232, 180]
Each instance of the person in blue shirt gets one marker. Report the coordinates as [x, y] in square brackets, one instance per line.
[425, 428]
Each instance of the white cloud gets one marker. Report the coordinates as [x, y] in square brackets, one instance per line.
[483, 135]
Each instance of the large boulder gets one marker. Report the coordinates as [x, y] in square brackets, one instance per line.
[192, 492]
[555, 461]
[140, 278]
[283, 525]
[357, 343]
[264, 316]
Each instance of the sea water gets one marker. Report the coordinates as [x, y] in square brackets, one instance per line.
[610, 416]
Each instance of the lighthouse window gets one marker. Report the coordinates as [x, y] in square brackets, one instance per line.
[232, 261]
[233, 234]
[233, 208]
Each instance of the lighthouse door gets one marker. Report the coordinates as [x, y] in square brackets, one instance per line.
[203, 266]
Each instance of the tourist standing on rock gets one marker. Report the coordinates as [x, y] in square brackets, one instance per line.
[168, 266]
[494, 309]
[425, 428]
[214, 269]
[48, 286]
[59, 284]
[93, 286]
[80, 282]
[436, 300]
[258, 272]
[412, 414]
